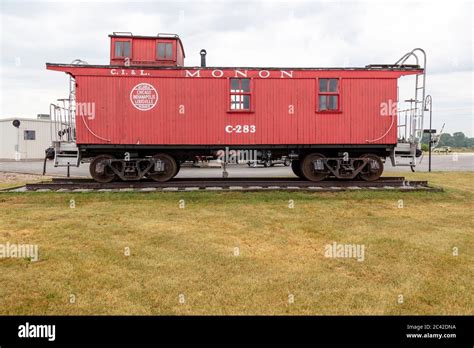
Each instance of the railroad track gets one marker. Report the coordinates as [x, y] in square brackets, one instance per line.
[231, 184]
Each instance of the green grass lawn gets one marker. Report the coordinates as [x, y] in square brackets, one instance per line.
[241, 253]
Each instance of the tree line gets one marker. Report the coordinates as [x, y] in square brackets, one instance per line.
[458, 139]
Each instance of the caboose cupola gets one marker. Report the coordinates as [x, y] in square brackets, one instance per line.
[131, 50]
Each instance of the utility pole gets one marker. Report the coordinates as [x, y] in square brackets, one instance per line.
[16, 124]
[429, 107]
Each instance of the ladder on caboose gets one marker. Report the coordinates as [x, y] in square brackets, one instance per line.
[63, 130]
[410, 120]
[63, 134]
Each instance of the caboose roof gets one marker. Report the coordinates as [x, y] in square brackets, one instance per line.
[373, 72]
[371, 67]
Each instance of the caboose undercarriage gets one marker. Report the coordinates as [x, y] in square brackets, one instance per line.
[162, 163]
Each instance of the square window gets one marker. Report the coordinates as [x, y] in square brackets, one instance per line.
[328, 95]
[122, 49]
[240, 92]
[29, 135]
[164, 50]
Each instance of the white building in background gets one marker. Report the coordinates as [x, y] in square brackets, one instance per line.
[27, 142]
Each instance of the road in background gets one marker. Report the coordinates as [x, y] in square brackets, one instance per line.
[450, 162]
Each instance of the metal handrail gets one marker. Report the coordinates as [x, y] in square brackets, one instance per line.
[167, 35]
[122, 33]
[416, 132]
[411, 131]
[79, 62]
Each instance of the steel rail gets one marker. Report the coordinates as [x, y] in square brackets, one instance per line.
[253, 184]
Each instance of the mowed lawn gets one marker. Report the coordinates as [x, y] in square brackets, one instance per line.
[241, 253]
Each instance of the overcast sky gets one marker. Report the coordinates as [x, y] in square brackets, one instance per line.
[287, 34]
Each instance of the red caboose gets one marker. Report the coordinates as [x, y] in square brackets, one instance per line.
[145, 113]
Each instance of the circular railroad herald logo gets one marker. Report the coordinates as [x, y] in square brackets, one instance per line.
[144, 96]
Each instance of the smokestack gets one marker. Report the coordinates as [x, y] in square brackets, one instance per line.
[203, 58]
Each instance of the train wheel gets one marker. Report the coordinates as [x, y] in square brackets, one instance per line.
[296, 167]
[308, 170]
[373, 170]
[178, 167]
[170, 168]
[99, 171]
